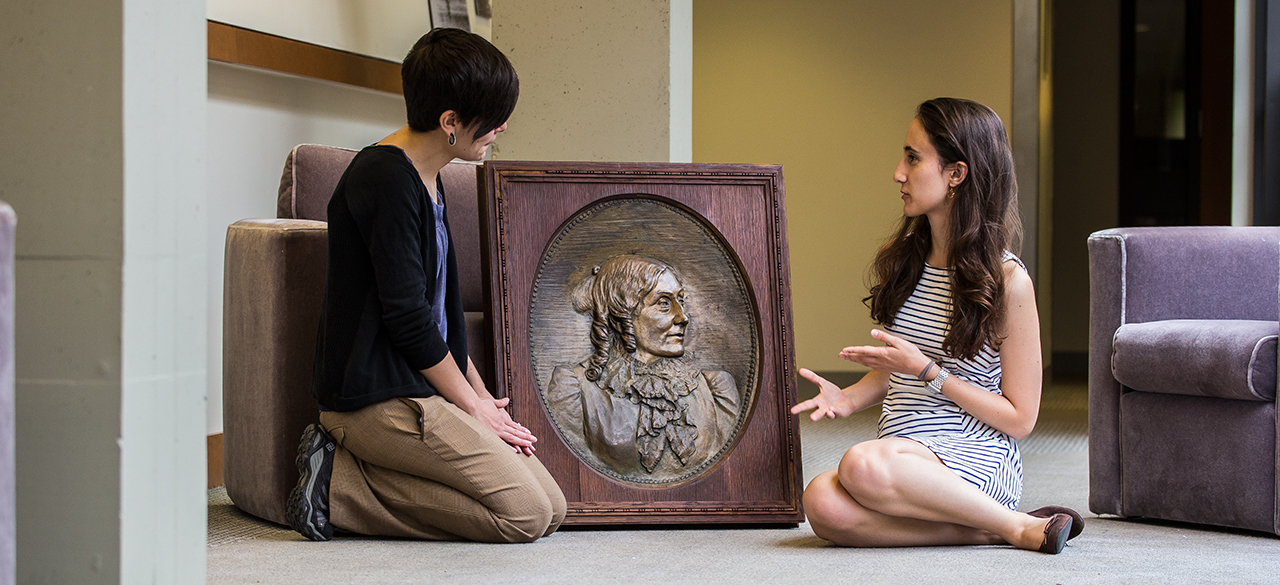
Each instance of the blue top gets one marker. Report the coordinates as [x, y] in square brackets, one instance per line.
[442, 248]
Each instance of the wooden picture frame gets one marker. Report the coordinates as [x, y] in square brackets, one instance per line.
[730, 453]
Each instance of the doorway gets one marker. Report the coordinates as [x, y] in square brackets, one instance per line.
[1175, 112]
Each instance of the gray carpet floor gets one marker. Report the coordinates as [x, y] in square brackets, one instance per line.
[243, 549]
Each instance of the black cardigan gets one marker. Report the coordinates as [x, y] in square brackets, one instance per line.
[376, 326]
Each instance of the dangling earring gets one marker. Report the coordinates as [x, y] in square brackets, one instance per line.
[951, 193]
[452, 139]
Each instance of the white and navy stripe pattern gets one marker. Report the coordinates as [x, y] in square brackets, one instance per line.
[980, 454]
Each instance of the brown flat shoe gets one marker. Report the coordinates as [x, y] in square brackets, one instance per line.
[1077, 523]
[1055, 534]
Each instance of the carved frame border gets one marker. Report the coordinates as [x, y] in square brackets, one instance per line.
[504, 245]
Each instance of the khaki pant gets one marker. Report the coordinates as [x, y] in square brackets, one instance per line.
[423, 468]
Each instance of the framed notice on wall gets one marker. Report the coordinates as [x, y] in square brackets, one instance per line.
[641, 316]
[449, 13]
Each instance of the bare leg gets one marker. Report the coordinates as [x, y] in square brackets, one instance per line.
[895, 492]
[836, 516]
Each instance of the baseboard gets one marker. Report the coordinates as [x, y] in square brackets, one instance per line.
[215, 461]
[807, 389]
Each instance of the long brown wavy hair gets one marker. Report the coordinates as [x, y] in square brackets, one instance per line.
[984, 223]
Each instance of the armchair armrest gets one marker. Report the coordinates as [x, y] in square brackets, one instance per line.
[273, 290]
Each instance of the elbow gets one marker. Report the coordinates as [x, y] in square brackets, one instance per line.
[1021, 431]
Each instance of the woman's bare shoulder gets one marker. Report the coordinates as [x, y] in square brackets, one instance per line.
[1018, 286]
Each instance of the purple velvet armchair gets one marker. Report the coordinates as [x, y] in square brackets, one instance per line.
[1182, 374]
[273, 287]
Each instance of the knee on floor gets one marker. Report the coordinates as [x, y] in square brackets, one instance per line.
[831, 514]
[823, 504]
[558, 510]
[526, 522]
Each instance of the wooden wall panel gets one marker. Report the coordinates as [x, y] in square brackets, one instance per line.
[232, 44]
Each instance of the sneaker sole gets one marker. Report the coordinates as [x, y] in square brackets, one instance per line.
[298, 507]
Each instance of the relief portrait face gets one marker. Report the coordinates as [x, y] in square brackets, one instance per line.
[661, 320]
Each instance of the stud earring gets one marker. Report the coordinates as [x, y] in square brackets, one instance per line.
[452, 139]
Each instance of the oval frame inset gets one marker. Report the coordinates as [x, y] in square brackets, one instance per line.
[722, 337]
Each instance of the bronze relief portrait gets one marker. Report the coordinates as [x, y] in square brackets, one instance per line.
[644, 341]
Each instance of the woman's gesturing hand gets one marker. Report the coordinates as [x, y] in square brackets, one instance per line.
[897, 355]
[490, 413]
[830, 401]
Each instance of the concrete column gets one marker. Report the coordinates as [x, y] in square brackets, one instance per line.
[608, 81]
[1029, 137]
[102, 157]
[1243, 115]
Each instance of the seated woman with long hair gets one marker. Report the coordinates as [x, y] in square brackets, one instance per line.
[959, 373]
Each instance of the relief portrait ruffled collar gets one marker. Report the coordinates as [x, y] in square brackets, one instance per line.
[661, 390]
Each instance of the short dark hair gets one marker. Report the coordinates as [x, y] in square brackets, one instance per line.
[452, 69]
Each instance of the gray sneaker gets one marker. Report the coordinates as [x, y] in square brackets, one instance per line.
[308, 506]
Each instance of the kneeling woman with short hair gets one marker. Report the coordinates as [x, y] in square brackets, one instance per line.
[412, 443]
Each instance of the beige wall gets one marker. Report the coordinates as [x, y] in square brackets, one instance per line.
[599, 80]
[826, 88]
[1086, 101]
[101, 156]
[379, 28]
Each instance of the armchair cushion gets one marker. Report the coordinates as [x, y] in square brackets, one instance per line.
[1234, 359]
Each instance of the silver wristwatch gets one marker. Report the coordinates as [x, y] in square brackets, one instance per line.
[935, 385]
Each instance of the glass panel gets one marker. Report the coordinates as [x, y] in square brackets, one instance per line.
[1160, 95]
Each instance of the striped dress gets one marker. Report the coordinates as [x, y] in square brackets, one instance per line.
[982, 455]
